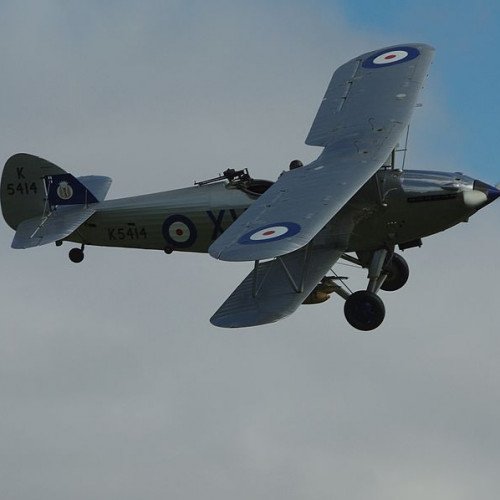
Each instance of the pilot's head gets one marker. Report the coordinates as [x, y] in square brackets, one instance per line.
[295, 164]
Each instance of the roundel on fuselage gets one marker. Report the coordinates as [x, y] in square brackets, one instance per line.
[179, 231]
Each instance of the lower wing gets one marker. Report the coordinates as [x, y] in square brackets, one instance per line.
[276, 288]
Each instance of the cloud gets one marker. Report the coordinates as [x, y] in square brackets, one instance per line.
[113, 383]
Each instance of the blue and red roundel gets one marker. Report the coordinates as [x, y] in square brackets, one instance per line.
[271, 232]
[179, 231]
[390, 57]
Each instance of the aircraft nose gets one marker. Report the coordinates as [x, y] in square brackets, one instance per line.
[480, 195]
[491, 192]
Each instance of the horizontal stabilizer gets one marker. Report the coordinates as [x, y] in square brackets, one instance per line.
[276, 288]
[57, 225]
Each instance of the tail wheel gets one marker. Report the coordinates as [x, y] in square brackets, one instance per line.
[364, 310]
[397, 273]
[76, 255]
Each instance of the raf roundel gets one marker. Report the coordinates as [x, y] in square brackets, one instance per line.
[270, 232]
[179, 231]
[391, 57]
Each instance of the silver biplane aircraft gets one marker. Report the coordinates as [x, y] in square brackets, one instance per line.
[350, 203]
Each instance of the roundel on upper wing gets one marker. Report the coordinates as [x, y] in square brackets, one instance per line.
[179, 231]
[270, 232]
[396, 55]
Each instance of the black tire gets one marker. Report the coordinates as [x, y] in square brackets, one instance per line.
[364, 310]
[398, 273]
[76, 255]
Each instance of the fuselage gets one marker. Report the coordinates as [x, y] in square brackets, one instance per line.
[393, 207]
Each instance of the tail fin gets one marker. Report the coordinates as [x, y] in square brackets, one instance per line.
[31, 187]
[64, 189]
[98, 185]
[22, 189]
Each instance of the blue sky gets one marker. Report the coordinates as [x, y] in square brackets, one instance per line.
[466, 70]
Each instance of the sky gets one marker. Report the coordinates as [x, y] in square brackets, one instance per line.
[113, 383]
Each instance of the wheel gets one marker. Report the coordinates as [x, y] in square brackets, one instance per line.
[364, 310]
[76, 255]
[398, 272]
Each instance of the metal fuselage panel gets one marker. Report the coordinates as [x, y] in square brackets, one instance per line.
[405, 206]
[393, 207]
[188, 219]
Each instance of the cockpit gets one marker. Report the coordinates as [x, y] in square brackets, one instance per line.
[241, 179]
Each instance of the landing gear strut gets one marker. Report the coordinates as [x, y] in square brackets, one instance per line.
[76, 254]
[376, 274]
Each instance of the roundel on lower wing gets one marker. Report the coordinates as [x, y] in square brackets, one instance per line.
[396, 55]
[270, 232]
[179, 231]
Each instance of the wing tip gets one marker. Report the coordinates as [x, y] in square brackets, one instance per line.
[251, 253]
[214, 252]
[247, 319]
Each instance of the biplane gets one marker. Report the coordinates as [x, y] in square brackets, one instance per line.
[352, 203]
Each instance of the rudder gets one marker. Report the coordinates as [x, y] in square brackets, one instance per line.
[22, 188]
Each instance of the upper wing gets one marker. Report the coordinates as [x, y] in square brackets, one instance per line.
[366, 107]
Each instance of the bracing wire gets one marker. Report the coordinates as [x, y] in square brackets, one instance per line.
[348, 265]
[341, 280]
